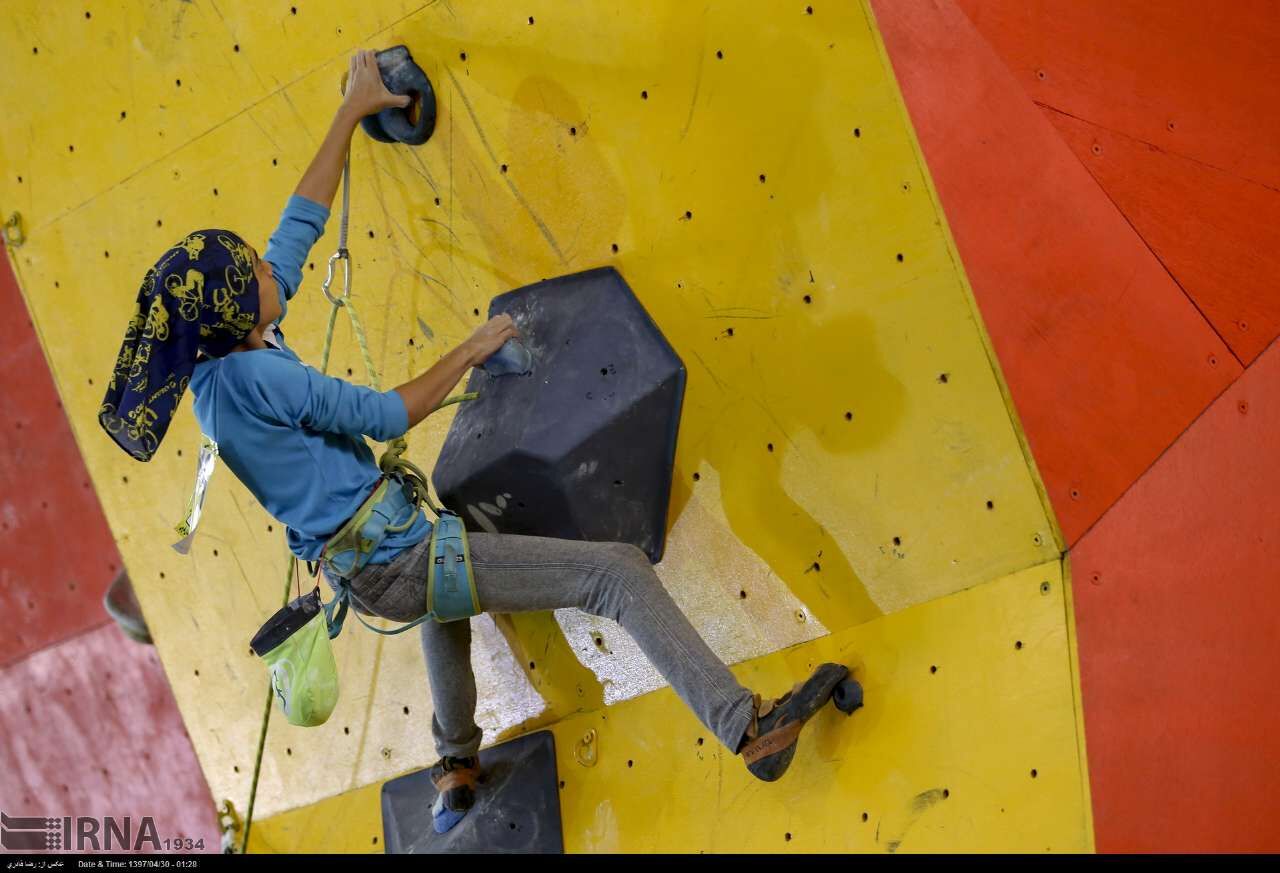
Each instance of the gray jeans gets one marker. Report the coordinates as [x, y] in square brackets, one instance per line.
[522, 574]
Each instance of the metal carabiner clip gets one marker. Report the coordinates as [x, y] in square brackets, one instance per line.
[345, 256]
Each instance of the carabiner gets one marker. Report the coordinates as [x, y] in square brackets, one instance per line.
[345, 256]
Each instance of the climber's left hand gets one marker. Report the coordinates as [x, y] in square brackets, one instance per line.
[364, 91]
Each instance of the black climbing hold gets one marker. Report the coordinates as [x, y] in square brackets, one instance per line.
[402, 76]
[513, 359]
[550, 457]
[122, 605]
[373, 127]
[517, 805]
[847, 696]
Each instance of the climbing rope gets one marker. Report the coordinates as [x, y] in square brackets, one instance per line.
[266, 720]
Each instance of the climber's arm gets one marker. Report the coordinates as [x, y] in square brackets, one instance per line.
[423, 394]
[304, 217]
[365, 95]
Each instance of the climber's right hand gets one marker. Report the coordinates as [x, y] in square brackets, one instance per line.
[489, 337]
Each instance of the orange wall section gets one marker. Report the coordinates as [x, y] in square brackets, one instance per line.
[1177, 597]
[1171, 106]
[1106, 358]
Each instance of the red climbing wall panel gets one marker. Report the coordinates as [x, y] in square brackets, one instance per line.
[1177, 594]
[52, 586]
[90, 729]
[1107, 359]
[1182, 97]
[1134, 66]
[88, 722]
[1218, 234]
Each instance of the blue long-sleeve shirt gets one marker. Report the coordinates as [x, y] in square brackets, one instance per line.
[293, 436]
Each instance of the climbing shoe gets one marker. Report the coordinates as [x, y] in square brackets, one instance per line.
[770, 741]
[455, 782]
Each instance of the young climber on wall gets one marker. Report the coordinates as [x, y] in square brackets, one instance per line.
[208, 317]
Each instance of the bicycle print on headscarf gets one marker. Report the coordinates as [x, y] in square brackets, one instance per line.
[201, 297]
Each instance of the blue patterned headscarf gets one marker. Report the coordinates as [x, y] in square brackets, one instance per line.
[201, 297]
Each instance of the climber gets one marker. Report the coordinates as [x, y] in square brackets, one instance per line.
[208, 316]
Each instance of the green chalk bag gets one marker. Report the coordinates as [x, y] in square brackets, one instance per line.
[294, 644]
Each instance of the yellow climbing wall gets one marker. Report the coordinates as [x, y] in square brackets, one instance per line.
[846, 450]
[969, 742]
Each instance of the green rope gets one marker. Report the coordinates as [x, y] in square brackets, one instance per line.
[266, 719]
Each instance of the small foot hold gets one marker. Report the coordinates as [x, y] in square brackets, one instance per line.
[442, 818]
[455, 780]
[512, 359]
